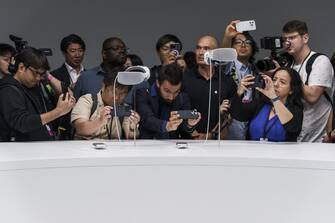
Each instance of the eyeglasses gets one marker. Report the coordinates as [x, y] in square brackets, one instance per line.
[118, 49]
[241, 42]
[36, 72]
[5, 58]
[290, 38]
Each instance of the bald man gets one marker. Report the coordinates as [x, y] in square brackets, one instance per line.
[196, 84]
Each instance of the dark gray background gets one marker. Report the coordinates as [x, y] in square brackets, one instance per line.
[141, 23]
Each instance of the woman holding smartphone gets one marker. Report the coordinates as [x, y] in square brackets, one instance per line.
[278, 114]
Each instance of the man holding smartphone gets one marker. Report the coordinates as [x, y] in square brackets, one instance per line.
[159, 106]
[93, 115]
[168, 48]
[246, 48]
[22, 115]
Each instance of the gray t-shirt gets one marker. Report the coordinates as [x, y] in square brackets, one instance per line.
[316, 115]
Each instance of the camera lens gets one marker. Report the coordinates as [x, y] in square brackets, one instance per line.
[265, 65]
[175, 53]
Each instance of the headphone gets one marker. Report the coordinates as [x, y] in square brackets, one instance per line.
[220, 55]
[133, 75]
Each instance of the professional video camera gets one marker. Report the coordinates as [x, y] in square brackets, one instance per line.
[274, 44]
[21, 44]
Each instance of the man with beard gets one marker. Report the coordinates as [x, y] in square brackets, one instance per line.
[318, 86]
[114, 54]
[23, 117]
[158, 107]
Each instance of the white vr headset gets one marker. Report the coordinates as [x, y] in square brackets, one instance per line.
[133, 75]
[220, 55]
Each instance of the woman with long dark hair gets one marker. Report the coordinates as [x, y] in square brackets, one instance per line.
[278, 114]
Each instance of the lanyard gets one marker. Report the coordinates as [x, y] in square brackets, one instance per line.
[302, 61]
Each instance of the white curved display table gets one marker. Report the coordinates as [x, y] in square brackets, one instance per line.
[155, 182]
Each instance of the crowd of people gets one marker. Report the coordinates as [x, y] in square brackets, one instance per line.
[231, 101]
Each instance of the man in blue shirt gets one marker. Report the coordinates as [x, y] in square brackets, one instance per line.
[114, 55]
[246, 49]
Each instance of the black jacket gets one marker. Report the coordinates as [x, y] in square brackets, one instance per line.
[20, 113]
[63, 75]
[63, 124]
[150, 124]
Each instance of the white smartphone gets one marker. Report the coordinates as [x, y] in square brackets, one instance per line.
[246, 26]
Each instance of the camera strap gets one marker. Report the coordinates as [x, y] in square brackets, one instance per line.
[308, 66]
[94, 104]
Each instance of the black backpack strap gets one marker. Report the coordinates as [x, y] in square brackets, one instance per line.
[93, 108]
[94, 104]
[309, 65]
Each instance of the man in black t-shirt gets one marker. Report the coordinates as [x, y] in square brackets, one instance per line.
[196, 84]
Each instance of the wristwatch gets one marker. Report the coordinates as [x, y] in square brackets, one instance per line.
[273, 100]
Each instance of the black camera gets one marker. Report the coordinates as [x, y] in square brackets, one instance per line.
[21, 44]
[273, 44]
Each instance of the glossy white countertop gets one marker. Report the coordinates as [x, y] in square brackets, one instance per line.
[154, 152]
[154, 182]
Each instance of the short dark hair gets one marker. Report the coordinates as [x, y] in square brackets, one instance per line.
[171, 73]
[190, 59]
[31, 57]
[254, 46]
[109, 78]
[106, 43]
[135, 60]
[6, 48]
[167, 38]
[72, 38]
[295, 26]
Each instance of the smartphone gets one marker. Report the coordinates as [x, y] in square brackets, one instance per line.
[175, 48]
[258, 82]
[65, 89]
[188, 114]
[246, 26]
[122, 111]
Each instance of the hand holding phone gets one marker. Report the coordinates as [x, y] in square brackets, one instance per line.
[246, 26]
[64, 90]
[188, 114]
[121, 111]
